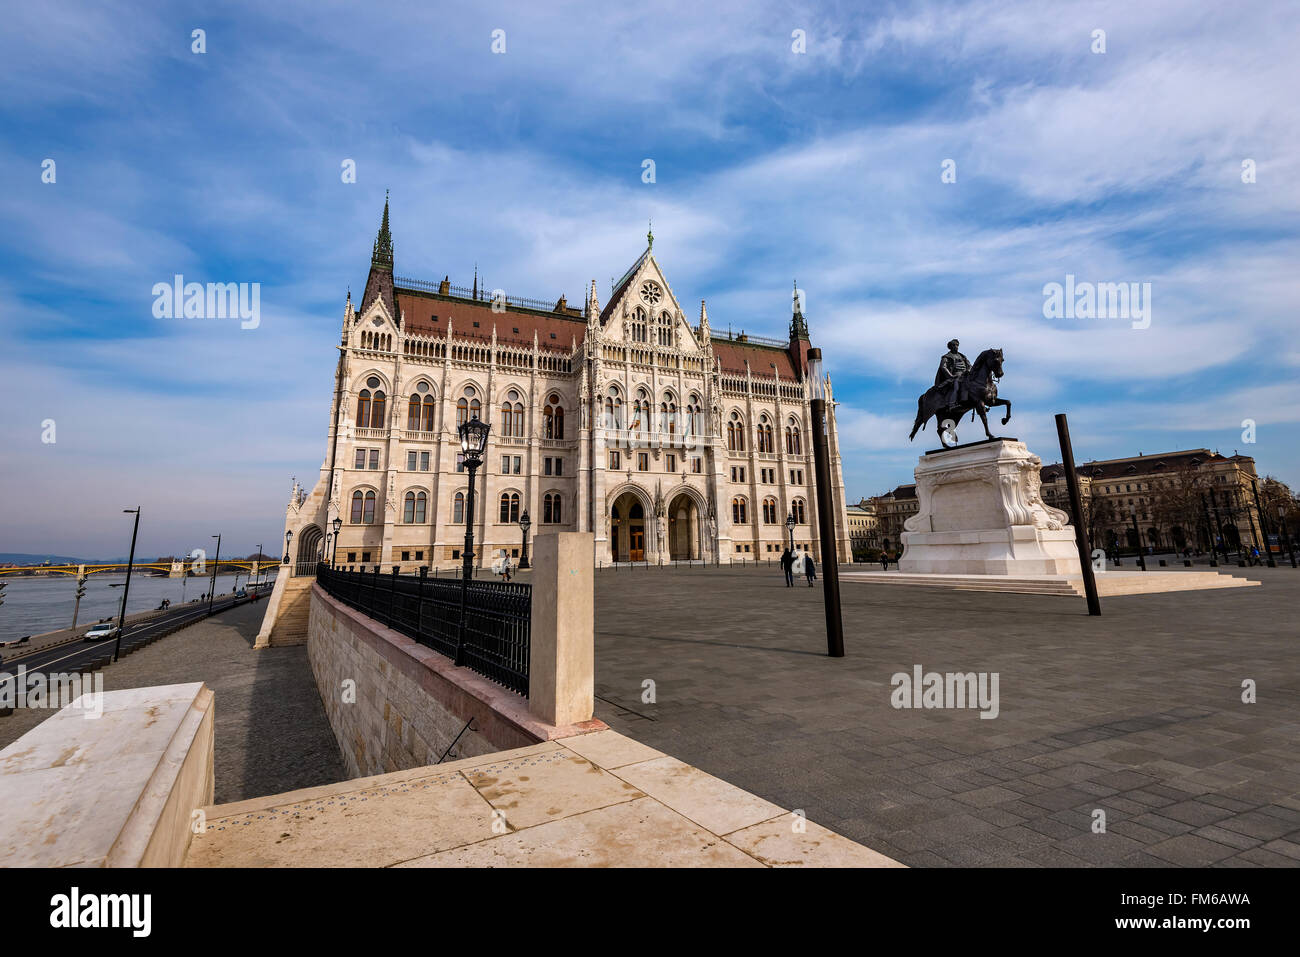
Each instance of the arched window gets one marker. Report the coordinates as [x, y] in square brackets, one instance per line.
[736, 433]
[638, 325]
[769, 511]
[797, 510]
[613, 409]
[793, 444]
[428, 413]
[765, 443]
[509, 507]
[363, 408]
[421, 507]
[694, 420]
[413, 414]
[458, 509]
[640, 411]
[468, 407]
[377, 410]
[551, 509]
[512, 415]
[738, 511]
[665, 330]
[553, 416]
[358, 500]
[408, 508]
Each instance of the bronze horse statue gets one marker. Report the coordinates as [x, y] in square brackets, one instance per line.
[977, 393]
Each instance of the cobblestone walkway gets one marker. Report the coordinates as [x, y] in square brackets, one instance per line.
[271, 731]
[1138, 714]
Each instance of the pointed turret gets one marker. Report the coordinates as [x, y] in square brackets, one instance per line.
[348, 314]
[799, 341]
[704, 323]
[379, 284]
[593, 306]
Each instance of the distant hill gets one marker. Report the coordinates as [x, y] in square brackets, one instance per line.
[22, 558]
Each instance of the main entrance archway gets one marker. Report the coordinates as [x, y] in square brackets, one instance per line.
[683, 528]
[309, 547]
[627, 529]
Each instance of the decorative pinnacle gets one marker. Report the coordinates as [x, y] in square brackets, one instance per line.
[650, 235]
[383, 252]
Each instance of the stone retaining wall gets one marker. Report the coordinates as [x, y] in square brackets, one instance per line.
[394, 704]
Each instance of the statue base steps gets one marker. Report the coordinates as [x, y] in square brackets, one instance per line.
[981, 514]
[1110, 583]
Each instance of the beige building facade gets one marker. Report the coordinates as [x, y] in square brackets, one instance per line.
[665, 440]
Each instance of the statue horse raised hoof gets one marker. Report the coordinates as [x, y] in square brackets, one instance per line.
[977, 392]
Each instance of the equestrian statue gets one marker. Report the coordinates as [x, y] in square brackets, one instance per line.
[960, 387]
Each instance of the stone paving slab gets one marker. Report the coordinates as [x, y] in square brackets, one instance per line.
[544, 806]
[1137, 713]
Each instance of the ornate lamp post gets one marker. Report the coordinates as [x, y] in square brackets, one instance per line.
[338, 523]
[789, 527]
[825, 508]
[287, 535]
[525, 523]
[473, 440]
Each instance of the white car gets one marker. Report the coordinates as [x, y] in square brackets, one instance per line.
[101, 631]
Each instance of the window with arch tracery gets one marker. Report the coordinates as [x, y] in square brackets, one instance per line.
[553, 418]
[458, 509]
[512, 415]
[736, 433]
[765, 443]
[694, 424]
[509, 508]
[793, 441]
[797, 510]
[363, 508]
[370, 405]
[769, 511]
[551, 514]
[468, 407]
[738, 510]
[668, 414]
[613, 410]
[638, 325]
[640, 411]
[665, 330]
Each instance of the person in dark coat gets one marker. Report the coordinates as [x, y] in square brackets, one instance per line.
[787, 566]
[809, 568]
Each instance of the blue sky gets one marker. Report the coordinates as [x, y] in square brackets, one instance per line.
[1123, 166]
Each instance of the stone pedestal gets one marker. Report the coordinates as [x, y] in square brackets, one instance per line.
[981, 514]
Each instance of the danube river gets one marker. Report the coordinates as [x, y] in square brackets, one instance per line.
[37, 604]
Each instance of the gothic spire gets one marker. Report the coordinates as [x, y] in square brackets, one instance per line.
[383, 254]
[798, 324]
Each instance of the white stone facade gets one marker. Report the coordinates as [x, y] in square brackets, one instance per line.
[674, 444]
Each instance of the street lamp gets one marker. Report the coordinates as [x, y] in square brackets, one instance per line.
[473, 440]
[1286, 537]
[287, 535]
[825, 507]
[121, 618]
[789, 527]
[525, 523]
[258, 582]
[338, 523]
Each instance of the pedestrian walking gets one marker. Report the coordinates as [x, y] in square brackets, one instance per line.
[505, 568]
[809, 569]
[787, 566]
[884, 561]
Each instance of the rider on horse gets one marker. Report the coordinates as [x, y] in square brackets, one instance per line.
[952, 367]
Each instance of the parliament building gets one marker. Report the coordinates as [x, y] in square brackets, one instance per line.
[668, 441]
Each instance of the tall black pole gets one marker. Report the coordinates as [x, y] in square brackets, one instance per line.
[1263, 525]
[1218, 525]
[825, 511]
[1076, 507]
[1209, 532]
[468, 562]
[126, 590]
[215, 564]
[1142, 561]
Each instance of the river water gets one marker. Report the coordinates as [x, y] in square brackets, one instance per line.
[37, 604]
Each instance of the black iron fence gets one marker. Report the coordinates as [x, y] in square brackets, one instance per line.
[498, 617]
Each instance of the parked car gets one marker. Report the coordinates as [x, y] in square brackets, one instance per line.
[241, 593]
[100, 632]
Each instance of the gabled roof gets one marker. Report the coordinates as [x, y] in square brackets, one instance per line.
[620, 287]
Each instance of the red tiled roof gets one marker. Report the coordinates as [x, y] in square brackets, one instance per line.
[418, 310]
[733, 355]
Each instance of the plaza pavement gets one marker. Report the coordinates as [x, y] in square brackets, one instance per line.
[1137, 713]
